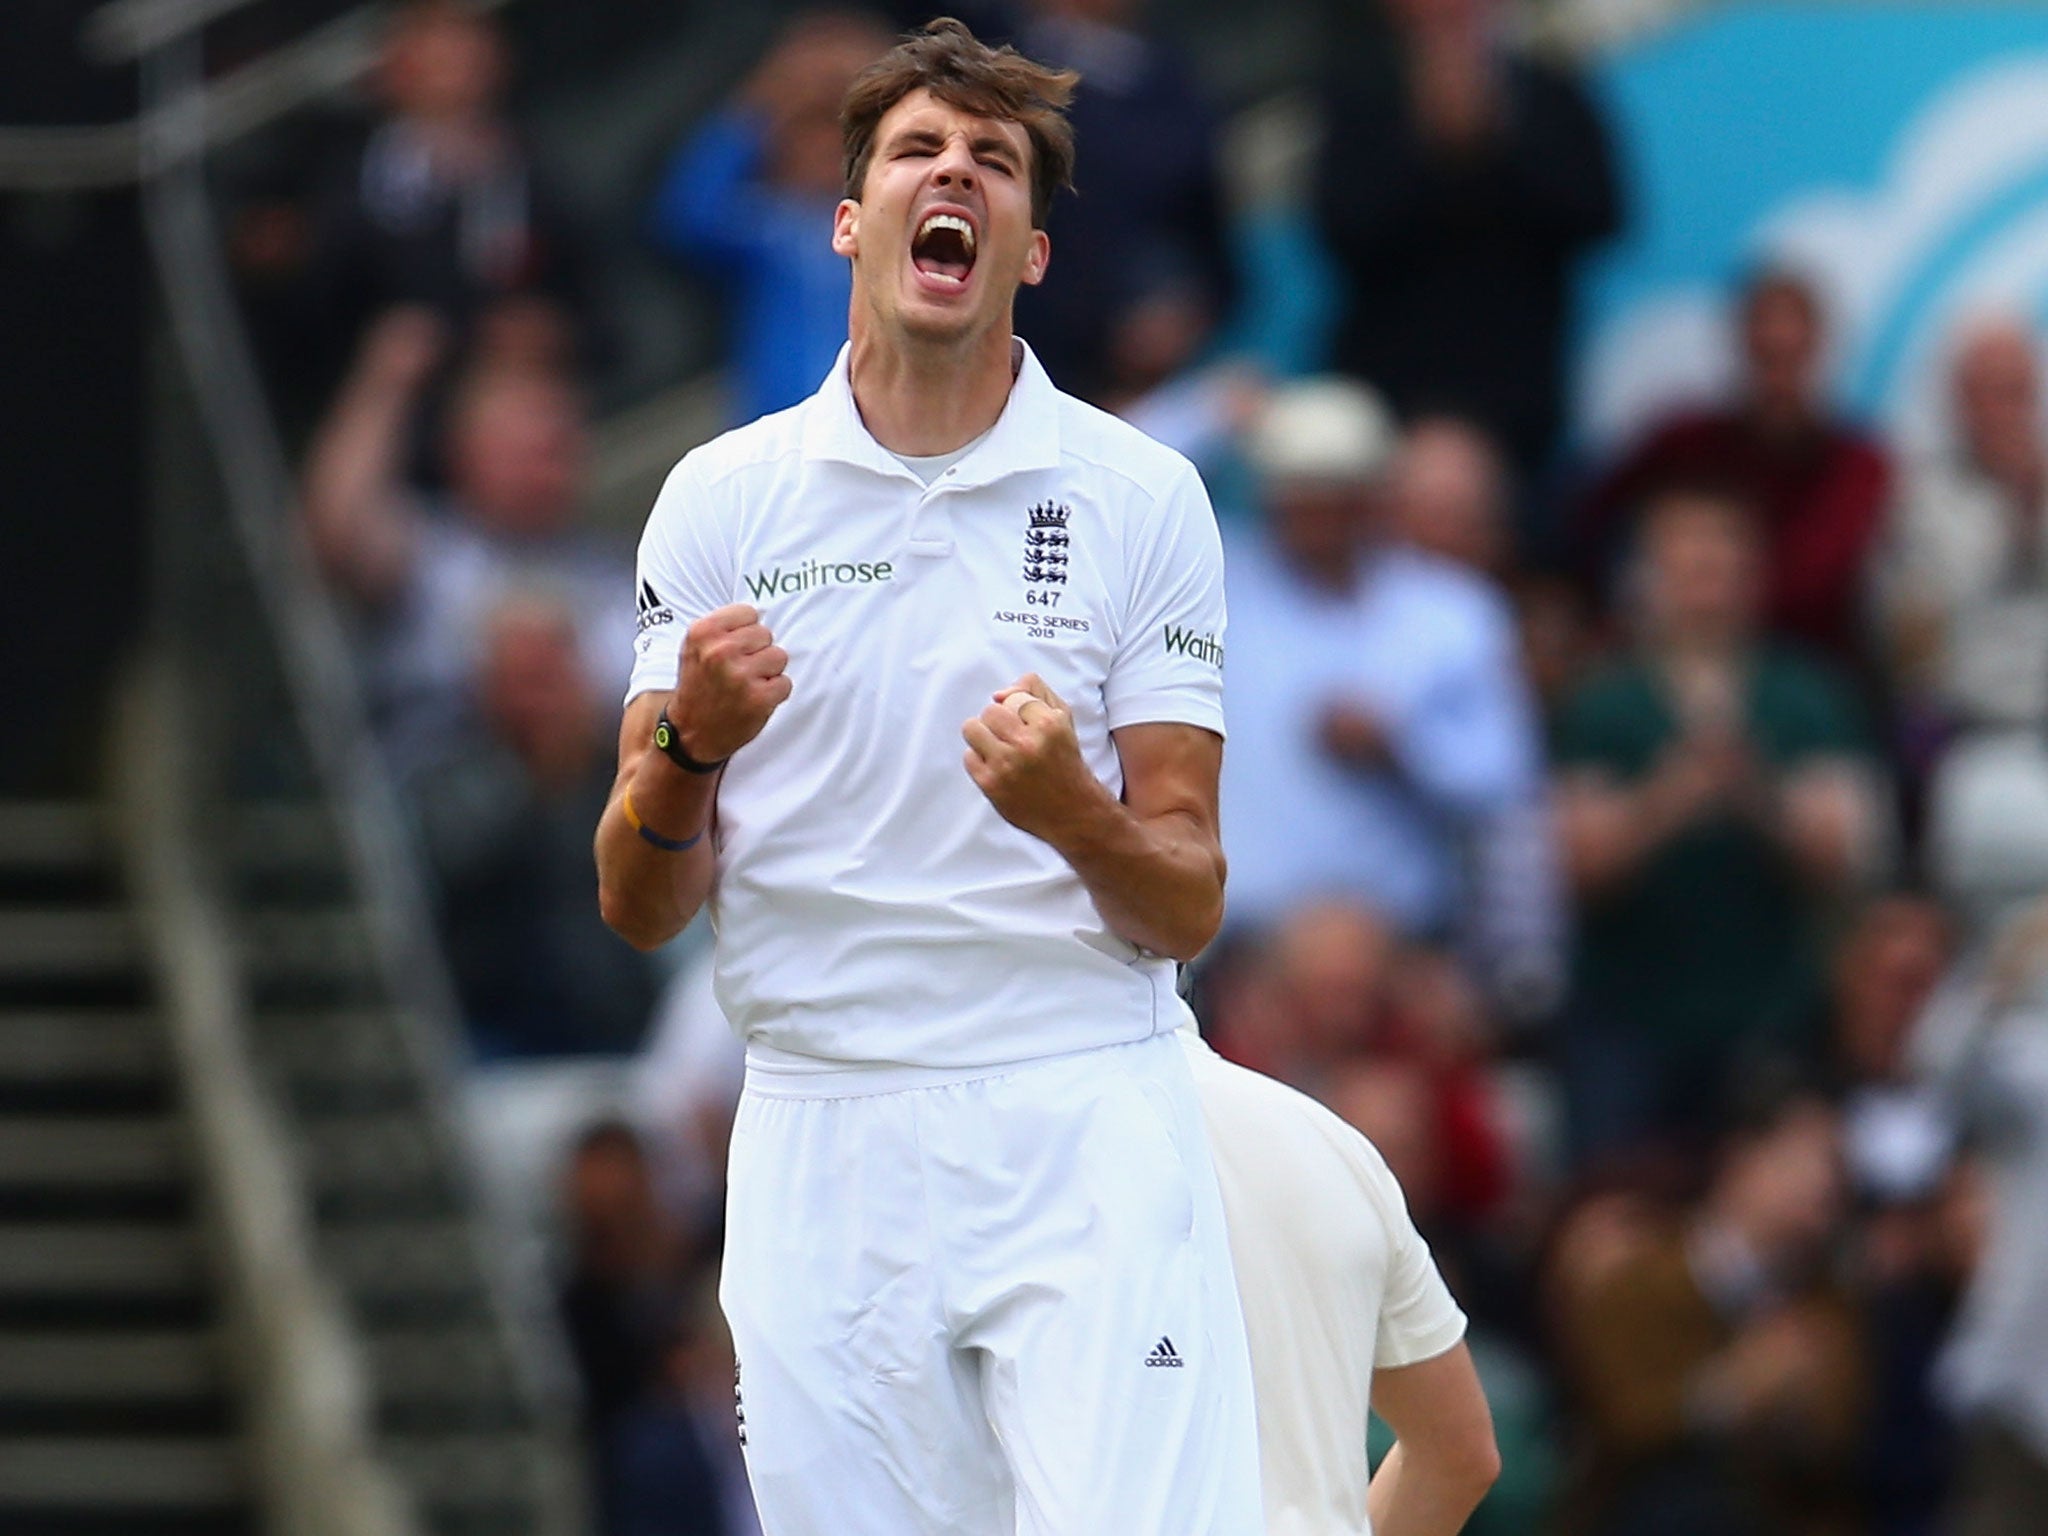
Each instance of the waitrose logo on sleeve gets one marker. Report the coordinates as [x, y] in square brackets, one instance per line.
[1185, 642]
[809, 575]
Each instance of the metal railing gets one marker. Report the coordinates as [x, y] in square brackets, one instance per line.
[317, 1472]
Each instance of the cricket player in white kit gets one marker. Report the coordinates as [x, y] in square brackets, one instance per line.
[976, 1267]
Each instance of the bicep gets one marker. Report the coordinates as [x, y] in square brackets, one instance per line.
[1171, 770]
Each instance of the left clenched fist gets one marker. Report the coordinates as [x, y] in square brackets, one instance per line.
[1022, 753]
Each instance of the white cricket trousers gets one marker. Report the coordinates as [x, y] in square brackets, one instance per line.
[988, 1307]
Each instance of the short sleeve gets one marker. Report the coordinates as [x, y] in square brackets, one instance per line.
[1419, 1319]
[1168, 665]
[680, 576]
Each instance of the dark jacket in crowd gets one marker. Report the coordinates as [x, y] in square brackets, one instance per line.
[387, 232]
[1147, 212]
[1456, 265]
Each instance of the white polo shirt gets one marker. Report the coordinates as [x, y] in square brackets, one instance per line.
[871, 907]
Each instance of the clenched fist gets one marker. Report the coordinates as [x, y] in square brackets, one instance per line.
[1022, 753]
[729, 680]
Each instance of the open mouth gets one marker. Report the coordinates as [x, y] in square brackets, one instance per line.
[943, 248]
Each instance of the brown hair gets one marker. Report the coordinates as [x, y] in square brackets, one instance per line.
[964, 72]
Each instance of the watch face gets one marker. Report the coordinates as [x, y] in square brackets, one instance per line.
[664, 737]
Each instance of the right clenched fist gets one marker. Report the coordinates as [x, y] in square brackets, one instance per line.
[729, 680]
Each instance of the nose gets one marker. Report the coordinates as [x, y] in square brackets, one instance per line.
[954, 166]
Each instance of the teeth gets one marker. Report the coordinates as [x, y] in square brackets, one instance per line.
[951, 221]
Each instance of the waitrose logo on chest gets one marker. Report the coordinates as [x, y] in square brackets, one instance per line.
[809, 575]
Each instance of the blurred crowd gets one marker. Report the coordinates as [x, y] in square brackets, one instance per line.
[1630, 845]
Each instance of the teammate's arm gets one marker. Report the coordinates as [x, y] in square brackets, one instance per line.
[1444, 1456]
[729, 680]
[1153, 862]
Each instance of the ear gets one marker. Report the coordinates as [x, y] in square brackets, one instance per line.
[846, 228]
[1037, 258]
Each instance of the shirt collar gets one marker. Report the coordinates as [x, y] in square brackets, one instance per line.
[1025, 437]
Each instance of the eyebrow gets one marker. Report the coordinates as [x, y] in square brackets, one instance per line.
[931, 138]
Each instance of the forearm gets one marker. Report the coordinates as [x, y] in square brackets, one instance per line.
[1157, 881]
[1416, 1497]
[352, 484]
[648, 893]
[1444, 1457]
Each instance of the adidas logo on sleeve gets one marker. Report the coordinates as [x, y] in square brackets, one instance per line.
[1164, 1354]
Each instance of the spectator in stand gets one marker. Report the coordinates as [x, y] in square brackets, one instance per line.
[1377, 709]
[1329, 989]
[1436, 1018]
[1460, 182]
[1715, 1360]
[1560, 640]
[1818, 484]
[673, 1464]
[1984, 1044]
[1142, 263]
[441, 206]
[748, 202]
[1306, 995]
[626, 1266]
[1715, 793]
[1897, 1136]
[1899, 1142]
[421, 575]
[504, 819]
[1913, 1261]
[1962, 589]
[1450, 494]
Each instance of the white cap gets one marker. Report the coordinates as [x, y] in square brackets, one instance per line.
[1330, 429]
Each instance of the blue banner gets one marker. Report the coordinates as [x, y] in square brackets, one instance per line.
[1899, 155]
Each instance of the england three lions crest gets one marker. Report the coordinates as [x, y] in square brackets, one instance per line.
[1046, 541]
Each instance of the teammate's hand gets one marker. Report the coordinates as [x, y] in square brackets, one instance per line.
[1022, 753]
[729, 680]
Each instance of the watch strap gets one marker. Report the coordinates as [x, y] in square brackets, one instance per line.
[669, 742]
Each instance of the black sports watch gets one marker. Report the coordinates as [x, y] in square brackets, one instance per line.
[669, 742]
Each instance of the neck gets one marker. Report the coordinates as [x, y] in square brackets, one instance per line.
[923, 398]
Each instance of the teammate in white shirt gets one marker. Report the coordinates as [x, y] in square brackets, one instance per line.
[1346, 1312]
[975, 1266]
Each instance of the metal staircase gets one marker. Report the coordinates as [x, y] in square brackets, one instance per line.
[245, 1280]
[385, 1182]
[117, 1408]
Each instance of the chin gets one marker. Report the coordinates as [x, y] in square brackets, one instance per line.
[941, 325]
